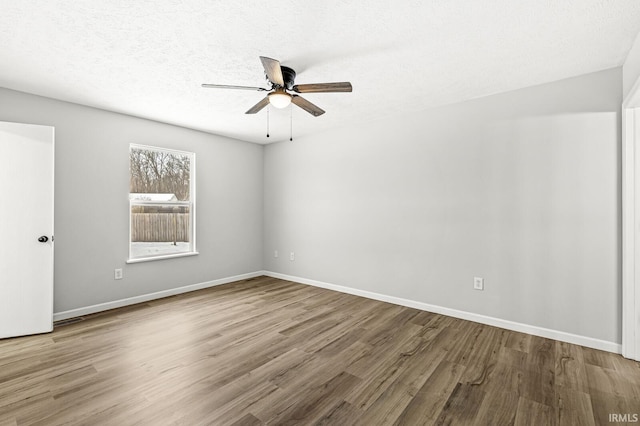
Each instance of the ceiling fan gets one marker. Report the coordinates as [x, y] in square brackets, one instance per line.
[282, 81]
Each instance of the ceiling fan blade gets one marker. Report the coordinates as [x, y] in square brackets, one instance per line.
[226, 86]
[323, 87]
[273, 70]
[307, 106]
[257, 107]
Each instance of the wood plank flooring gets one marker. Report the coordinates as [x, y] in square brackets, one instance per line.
[267, 351]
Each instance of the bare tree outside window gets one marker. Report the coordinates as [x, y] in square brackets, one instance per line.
[160, 172]
[162, 201]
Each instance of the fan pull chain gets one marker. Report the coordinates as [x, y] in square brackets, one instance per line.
[291, 122]
[267, 120]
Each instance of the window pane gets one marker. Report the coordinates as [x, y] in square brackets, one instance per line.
[164, 173]
[162, 199]
[160, 230]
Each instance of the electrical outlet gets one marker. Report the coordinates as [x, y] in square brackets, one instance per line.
[275, 253]
[478, 283]
[117, 274]
[292, 256]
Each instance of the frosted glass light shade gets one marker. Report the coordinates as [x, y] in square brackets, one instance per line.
[279, 99]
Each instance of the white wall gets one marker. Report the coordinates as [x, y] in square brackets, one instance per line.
[631, 68]
[91, 196]
[521, 188]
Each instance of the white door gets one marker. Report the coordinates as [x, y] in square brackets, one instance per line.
[26, 216]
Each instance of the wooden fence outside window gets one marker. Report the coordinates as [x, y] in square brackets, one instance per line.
[160, 227]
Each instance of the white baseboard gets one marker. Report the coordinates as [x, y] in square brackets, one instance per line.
[483, 319]
[78, 312]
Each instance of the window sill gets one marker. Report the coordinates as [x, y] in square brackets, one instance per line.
[167, 256]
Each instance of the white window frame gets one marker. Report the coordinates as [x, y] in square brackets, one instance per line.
[191, 204]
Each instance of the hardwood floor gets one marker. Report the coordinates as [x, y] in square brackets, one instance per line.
[267, 351]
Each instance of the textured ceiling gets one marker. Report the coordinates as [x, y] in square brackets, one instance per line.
[148, 57]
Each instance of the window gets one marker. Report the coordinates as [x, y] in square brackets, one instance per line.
[162, 202]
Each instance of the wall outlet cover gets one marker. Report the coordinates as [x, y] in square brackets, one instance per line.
[478, 283]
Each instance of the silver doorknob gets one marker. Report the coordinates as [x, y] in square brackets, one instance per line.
[43, 239]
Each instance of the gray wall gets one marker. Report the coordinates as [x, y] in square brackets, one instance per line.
[91, 210]
[521, 188]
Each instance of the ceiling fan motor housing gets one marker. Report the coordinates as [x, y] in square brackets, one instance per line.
[288, 75]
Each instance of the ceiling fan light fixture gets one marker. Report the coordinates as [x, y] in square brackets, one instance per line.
[279, 99]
